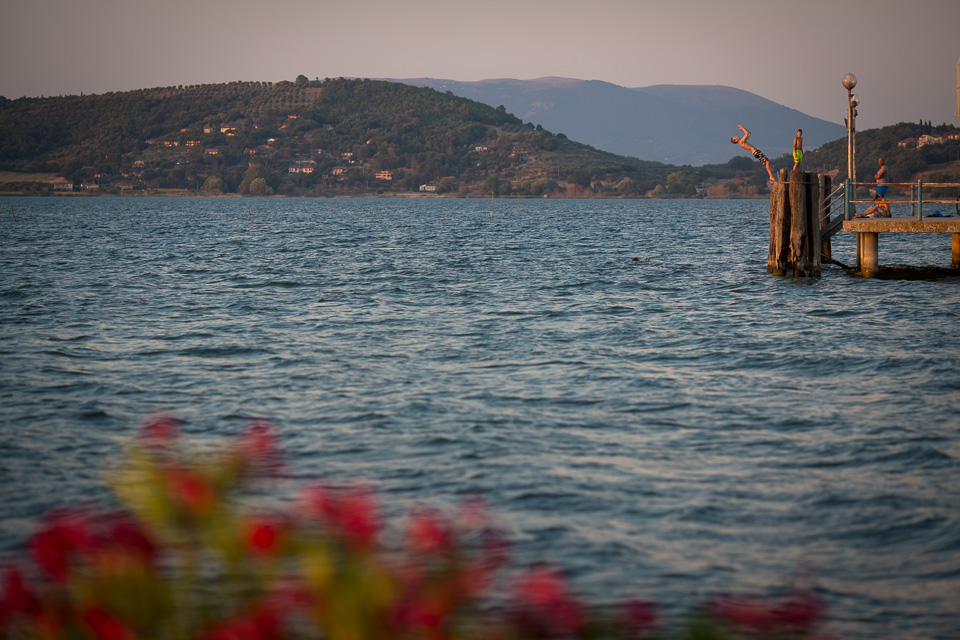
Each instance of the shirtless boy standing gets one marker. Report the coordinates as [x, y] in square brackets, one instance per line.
[742, 141]
[798, 149]
[881, 178]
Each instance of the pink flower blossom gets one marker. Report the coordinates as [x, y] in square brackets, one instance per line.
[349, 514]
[263, 536]
[264, 623]
[190, 491]
[474, 579]
[496, 548]
[320, 502]
[16, 597]
[160, 431]
[124, 533]
[259, 439]
[105, 626]
[360, 520]
[801, 612]
[742, 611]
[257, 452]
[542, 586]
[66, 534]
[474, 513]
[544, 607]
[639, 615]
[420, 614]
[427, 533]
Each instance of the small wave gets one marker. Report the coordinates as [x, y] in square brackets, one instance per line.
[837, 313]
[918, 456]
[92, 415]
[74, 354]
[226, 351]
[281, 284]
[190, 335]
[75, 338]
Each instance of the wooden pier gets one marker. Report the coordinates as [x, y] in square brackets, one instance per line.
[868, 232]
[805, 213]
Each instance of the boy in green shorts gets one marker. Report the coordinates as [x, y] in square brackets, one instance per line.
[798, 149]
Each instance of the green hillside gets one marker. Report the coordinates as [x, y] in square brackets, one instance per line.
[302, 138]
[365, 137]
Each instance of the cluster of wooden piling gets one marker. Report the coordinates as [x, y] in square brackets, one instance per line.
[805, 213]
[795, 225]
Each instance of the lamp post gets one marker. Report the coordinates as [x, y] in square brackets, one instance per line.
[849, 82]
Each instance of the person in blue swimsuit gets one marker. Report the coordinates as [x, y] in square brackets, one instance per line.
[742, 141]
[881, 179]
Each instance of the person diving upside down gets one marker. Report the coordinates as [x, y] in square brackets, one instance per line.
[742, 141]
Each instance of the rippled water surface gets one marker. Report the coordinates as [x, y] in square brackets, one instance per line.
[640, 402]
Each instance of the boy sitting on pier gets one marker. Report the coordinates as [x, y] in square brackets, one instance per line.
[879, 209]
[742, 141]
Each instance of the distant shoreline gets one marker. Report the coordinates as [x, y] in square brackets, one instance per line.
[383, 196]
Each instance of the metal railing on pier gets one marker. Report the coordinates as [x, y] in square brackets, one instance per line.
[833, 204]
[917, 196]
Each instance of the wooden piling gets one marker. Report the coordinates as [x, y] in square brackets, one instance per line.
[779, 227]
[797, 194]
[795, 225]
[812, 185]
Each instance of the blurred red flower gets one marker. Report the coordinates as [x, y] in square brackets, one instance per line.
[65, 534]
[639, 615]
[320, 571]
[544, 608]
[800, 612]
[496, 548]
[189, 490]
[427, 533]
[105, 626]
[349, 514]
[742, 611]
[125, 533]
[263, 535]
[264, 623]
[160, 431]
[16, 597]
[258, 451]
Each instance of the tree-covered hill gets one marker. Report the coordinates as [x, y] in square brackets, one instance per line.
[367, 137]
[303, 137]
[83, 129]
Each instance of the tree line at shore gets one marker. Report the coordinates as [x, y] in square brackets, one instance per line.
[352, 137]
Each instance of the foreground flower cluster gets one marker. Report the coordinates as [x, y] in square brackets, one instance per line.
[184, 559]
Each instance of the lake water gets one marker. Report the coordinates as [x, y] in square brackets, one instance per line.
[671, 426]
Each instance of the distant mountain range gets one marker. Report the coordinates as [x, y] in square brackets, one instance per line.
[674, 124]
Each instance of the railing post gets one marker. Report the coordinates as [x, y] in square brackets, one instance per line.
[825, 192]
[847, 197]
[919, 199]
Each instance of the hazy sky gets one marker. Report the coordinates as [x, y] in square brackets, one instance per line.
[904, 54]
